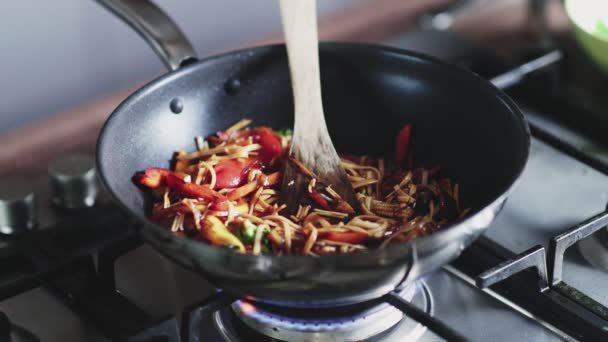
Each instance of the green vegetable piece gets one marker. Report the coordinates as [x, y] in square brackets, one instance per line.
[266, 243]
[286, 132]
[247, 234]
[266, 249]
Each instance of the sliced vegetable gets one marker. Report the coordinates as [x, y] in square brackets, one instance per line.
[266, 244]
[247, 233]
[242, 208]
[348, 237]
[220, 204]
[242, 191]
[319, 199]
[271, 144]
[231, 173]
[402, 144]
[343, 207]
[273, 179]
[191, 190]
[247, 236]
[286, 132]
[153, 177]
[226, 194]
[214, 231]
[270, 210]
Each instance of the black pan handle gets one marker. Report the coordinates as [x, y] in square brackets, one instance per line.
[155, 26]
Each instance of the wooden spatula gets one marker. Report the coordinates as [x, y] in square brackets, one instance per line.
[311, 144]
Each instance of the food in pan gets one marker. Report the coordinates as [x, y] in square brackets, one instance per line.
[226, 193]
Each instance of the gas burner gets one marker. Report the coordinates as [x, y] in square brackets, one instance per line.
[370, 321]
[594, 248]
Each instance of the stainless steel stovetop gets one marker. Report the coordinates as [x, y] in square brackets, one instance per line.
[556, 194]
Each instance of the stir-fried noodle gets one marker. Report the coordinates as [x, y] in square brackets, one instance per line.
[227, 193]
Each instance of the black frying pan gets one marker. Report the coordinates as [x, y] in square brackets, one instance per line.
[460, 121]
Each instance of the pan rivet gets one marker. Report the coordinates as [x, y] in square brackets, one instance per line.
[176, 106]
[232, 86]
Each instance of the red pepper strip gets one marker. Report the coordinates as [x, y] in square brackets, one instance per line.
[348, 237]
[223, 135]
[232, 173]
[273, 178]
[155, 178]
[271, 144]
[402, 144]
[268, 211]
[220, 204]
[242, 191]
[191, 189]
[344, 207]
[152, 177]
[319, 199]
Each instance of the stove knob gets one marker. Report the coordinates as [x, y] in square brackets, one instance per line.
[17, 206]
[73, 183]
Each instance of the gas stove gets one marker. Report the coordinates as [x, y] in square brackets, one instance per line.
[74, 267]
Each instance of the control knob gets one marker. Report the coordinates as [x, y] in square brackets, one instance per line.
[73, 183]
[17, 206]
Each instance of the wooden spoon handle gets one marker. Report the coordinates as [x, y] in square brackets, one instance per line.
[300, 29]
[311, 143]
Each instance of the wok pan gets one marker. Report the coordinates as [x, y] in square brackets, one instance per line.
[462, 122]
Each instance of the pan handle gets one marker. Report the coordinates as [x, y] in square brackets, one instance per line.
[157, 29]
